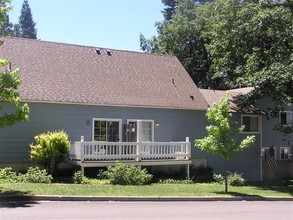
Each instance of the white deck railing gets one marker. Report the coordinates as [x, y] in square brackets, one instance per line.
[138, 151]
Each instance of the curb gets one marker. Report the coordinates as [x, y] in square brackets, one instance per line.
[13, 198]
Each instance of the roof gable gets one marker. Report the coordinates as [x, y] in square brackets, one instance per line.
[213, 96]
[64, 73]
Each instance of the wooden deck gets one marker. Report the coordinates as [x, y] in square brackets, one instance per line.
[103, 154]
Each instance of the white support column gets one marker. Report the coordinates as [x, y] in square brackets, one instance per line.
[81, 148]
[188, 148]
[187, 171]
[138, 149]
[81, 153]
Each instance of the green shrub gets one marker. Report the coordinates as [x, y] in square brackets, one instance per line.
[234, 179]
[7, 175]
[35, 175]
[50, 149]
[202, 174]
[218, 178]
[126, 175]
[78, 178]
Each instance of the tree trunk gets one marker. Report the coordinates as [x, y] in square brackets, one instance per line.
[225, 177]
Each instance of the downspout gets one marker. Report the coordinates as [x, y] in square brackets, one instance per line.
[260, 147]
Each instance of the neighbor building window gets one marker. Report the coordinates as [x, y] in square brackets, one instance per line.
[108, 130]
[286, 118]
[251, 123]
[264, 149]
[284, 153]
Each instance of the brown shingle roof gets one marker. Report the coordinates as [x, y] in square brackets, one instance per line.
[64, 73]
[213, 96]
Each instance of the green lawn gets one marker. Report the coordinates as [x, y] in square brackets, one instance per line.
[158, 190]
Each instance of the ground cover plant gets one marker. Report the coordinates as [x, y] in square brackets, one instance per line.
[32, 175]
[37, 182]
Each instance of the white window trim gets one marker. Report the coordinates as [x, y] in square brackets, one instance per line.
[107, 119]
[259, 123]
[286, 116]
[281, 153]
[145, 120]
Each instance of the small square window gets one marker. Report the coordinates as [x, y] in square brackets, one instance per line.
[251, 123]
[284, 153]
[286, 118]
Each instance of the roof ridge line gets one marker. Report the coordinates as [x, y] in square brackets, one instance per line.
[85, 46]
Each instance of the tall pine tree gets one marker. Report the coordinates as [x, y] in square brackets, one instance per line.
[27, 25]
[170, 6]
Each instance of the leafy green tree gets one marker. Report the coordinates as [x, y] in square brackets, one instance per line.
[27, 25]
[9, 80]
[6, 28]
[224, 44]
[148, 45]
[50, 149]
[250, 44]
[181, 37]
[223, 134]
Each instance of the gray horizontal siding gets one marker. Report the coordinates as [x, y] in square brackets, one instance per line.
[175, 125]
[246, 162]
[272, 137]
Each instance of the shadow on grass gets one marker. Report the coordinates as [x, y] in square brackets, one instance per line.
[16, 199]
[241, 195]
[283, 186]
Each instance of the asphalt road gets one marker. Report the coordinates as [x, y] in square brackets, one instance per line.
[147, 210]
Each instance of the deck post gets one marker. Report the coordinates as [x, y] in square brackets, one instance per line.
[81, 148]
[81, 153]
[188, 150]
[138, 151]
[188, 147]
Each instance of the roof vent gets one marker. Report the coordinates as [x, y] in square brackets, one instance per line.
[9, 66]
[173, 82]
[192, 97]
[109, 52]
[98, 51]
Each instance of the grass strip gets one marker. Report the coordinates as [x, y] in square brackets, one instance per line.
[157, 190]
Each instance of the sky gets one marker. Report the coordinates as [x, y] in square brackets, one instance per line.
[113, 24]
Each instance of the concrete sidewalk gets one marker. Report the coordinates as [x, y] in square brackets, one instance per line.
[8, 198]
